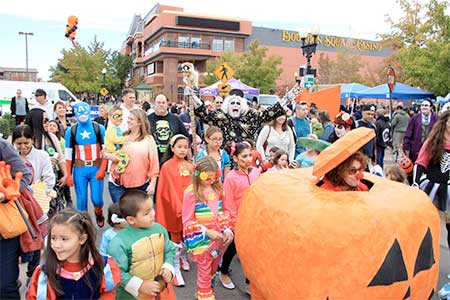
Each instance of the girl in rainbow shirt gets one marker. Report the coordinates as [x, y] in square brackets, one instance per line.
[206, 229]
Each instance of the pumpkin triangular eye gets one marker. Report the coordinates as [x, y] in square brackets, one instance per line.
[425, 257]
[393, 268]
[408, 294]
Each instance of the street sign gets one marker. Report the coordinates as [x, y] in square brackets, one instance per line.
[224, 72]
[104, 92]
[309, 81]
[225, 87]
[391, 79]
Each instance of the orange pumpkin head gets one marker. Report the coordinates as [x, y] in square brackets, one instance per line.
[406, 164]
[296, 240]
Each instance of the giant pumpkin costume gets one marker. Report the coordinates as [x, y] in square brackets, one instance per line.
[296, 240]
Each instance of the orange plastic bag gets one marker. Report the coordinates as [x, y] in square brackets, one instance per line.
[11, 222]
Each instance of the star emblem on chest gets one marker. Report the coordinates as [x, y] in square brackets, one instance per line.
[85, 134]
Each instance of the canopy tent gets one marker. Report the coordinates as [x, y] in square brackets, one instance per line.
[213, 90]
[349, 90]
[401, 91]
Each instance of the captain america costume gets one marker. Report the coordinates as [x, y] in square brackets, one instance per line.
[86, 160]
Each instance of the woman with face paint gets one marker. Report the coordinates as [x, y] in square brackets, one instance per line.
[343, 124]
[235, 185]
[347, 176]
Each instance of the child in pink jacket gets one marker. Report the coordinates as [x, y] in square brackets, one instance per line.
[206, 229]
[235, 185]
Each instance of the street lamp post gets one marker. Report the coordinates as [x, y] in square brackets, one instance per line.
[308, 49]
[26, 48]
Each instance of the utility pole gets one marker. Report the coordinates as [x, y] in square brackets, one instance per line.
[26, 49]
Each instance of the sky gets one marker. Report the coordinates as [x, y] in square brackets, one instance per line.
[109, 21]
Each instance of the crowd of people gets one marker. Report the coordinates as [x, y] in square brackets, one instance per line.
[176, 193]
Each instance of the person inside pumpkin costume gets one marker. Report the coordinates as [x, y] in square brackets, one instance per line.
[379, 244]
[114, 141]
[143, 251]
[347, 176]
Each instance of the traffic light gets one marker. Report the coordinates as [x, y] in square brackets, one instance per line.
[71, 27]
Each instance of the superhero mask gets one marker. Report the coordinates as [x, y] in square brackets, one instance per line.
[117, 117]
[82, 112]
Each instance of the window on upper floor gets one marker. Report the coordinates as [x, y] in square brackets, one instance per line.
[183, 41]
[228, 45]
[195, 42]
[217, 44]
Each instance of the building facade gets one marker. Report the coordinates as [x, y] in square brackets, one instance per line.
[168, 36]
[19, 74]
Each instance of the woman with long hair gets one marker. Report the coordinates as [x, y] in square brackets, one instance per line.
[431, 172]
[143, 168]
[278, 134]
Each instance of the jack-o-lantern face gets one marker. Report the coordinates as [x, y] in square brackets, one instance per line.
[380, 244]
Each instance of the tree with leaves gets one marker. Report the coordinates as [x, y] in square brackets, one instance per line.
[79, 69]
[253, 67]
[422, 40]
[344, 69]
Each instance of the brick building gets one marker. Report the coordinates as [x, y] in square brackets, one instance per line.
[19, 74]
[168, 35]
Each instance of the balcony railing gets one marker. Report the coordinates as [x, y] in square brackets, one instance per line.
[193, 45]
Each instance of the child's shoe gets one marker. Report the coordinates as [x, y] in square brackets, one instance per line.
[205, 295]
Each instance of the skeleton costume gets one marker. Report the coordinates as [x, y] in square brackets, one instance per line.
[433, 178]
[236, 120]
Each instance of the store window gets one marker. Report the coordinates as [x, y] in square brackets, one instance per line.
[217, 44]
[229, 45]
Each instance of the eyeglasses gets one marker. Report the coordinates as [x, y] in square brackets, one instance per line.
[217, 140]
[45, 120]
[219, 102]
[353, 170]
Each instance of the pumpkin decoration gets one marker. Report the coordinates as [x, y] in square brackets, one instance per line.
[406, 164]
[380, 244]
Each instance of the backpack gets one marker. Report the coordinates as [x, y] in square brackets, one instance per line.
[73, 142]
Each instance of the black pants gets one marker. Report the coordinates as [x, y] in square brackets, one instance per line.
[9, 268]
[227, 258]
[19, 119]
[32, 265]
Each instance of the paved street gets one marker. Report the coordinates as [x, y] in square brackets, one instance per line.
[187, 292]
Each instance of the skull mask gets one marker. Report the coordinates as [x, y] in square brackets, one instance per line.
[163, 130]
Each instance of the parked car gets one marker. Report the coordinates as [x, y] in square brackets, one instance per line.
[264, 99]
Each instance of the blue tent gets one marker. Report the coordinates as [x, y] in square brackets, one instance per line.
[348, 90]
[401, 91]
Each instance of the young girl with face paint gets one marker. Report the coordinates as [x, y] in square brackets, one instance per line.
[206, 227]
[235, 185]
[174, 178]
[73, 269]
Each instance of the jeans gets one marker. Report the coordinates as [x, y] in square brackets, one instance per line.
[380, 156]
[116, 191]
[9, 268]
